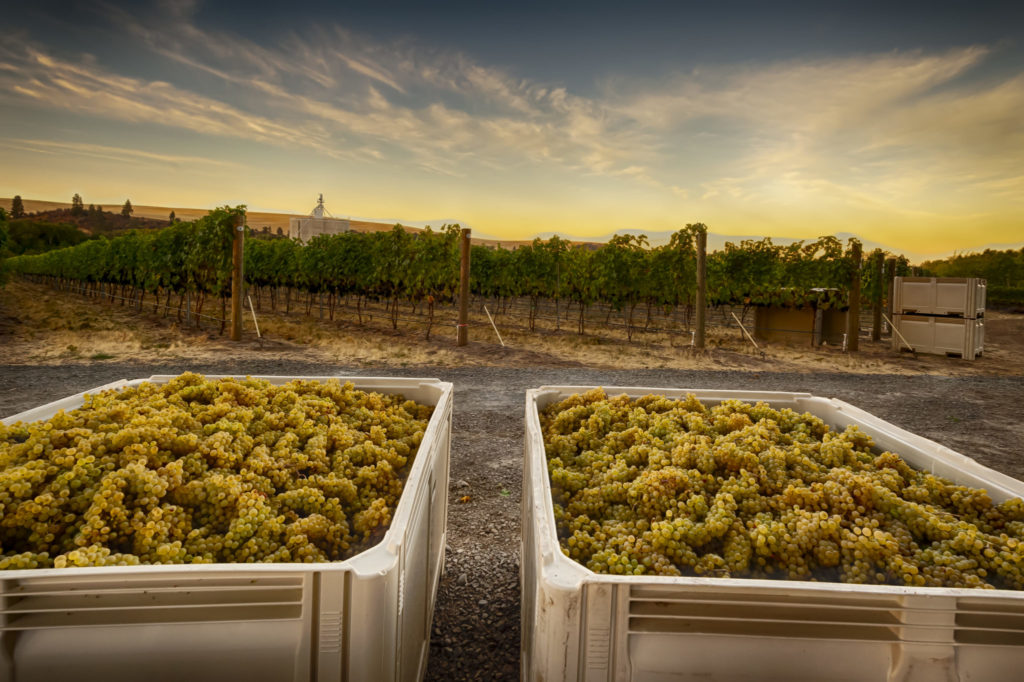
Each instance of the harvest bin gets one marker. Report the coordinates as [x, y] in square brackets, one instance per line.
[940, 335]
[581, 625]
[953, 296]
[365, 618]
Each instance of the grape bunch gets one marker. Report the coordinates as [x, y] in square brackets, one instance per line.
[659, 486]
[202, 471]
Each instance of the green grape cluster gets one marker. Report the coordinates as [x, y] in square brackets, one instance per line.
[202, 471]
[673, 487]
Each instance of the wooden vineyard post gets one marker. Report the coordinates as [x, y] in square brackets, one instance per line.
[237, 251]
[462, 335]
[876, 299]
[702, 290]
[890, 278]
[853, 314]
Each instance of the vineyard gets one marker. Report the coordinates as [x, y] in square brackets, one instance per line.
[409, 276]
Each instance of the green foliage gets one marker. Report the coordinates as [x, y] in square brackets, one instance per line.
[763, 273]
[998, 268]
[1005, 297]
[195, 256]
[4, 237]
[381, 265]
[397, 265]
[27, 236]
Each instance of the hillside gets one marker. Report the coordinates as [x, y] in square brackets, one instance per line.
[149, 217]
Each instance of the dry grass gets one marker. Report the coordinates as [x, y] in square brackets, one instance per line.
[39, 325]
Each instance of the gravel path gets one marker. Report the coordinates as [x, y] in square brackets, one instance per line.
[476, 627]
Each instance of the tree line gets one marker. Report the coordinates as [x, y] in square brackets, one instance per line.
[1003, 271]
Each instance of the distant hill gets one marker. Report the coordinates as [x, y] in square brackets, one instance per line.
[716, 242]
[260, 220]
[97, 222]
[147, 217]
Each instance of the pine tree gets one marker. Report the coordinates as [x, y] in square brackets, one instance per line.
[171, 217]
[17, 208]
[77, 205]
[127, 209]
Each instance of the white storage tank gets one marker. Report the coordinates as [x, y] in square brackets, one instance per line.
[584, 626]
[365, 618]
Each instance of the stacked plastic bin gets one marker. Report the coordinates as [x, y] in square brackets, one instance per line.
[940, 315]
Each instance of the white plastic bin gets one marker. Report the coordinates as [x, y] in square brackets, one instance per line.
[957, 296]
[941, 335]
[583, 626]
[365, 618]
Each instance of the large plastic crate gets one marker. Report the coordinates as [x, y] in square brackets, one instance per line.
[940, 335]
[583, 626]
[957, 296]
[365, 618]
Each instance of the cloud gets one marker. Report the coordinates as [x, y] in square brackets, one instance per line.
[892, 133]
[900, 131]
[86, 88]
[117, 154]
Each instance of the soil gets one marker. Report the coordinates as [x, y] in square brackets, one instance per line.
[476, 625]
[40, 325]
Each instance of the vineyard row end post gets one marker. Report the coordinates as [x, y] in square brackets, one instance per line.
[462, 335]
[853, 314]
[890, 276]
[702, 290]
[876, 298]
[237, 252]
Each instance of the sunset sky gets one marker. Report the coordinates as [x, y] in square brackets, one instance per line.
[900, 122]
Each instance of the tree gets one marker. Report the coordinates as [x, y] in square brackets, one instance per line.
[77, 205]
[170, 218]
[127, 209]
[17, 208]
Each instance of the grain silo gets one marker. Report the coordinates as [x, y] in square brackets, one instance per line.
[318, 222]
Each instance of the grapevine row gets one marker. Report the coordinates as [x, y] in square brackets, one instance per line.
[421, 267]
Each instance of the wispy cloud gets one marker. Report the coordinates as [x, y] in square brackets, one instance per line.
[117, 154]
[878, 132]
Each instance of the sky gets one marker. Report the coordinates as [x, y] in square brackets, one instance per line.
[898, 122]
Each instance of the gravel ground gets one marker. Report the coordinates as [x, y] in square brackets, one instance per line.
[476, 628]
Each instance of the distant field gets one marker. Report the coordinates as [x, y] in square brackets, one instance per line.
[257, 220]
